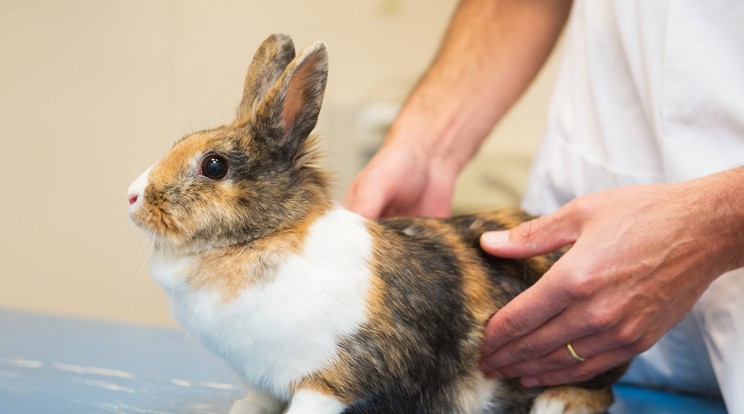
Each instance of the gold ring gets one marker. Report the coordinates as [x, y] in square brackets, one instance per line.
[573, 353]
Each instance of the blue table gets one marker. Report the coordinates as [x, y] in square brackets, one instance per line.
[59, 365]
[65, 365]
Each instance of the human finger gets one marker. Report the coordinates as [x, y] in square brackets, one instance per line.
[522, 316]
[367, 195]
[561, 357]
[585, 315]
[542, 235]
[580, 372]
[535, 351]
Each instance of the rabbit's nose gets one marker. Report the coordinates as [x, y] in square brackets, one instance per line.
[138, 187]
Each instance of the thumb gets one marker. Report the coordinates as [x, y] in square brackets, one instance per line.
[531, 238]
[365, 202]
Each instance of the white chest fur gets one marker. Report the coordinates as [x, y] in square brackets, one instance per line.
[279, 331]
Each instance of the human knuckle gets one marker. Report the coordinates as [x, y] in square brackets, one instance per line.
[580, 291]
[626, 336]
[639, 346]
[511, 326]
[525, 350]
[599, 320]
[528, 230]
[581, 206]
[580, 285]
[556, 362]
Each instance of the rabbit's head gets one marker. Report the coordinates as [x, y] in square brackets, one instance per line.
[248, 179]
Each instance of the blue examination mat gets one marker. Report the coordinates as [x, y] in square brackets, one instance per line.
[60, 365]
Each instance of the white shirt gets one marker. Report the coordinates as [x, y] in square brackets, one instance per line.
[648, 91]
[652, 91]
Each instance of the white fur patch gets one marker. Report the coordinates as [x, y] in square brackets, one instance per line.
[169, 270]
[138, 188]
[308, 402]
[485, 391]
[548, 406]
[479, 399]
[571, 400]
[279, 331]
[257, 402]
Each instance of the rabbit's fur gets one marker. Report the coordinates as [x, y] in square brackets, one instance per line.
[319, 309]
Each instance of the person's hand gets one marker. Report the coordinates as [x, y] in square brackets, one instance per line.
[402, 180]
[641, 258]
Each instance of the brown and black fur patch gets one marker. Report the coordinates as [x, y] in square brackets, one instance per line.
[433, 292]
[231, 269]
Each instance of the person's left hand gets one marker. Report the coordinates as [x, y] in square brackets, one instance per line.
[641, 258]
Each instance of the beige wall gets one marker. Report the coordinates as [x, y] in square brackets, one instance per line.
[92, 92]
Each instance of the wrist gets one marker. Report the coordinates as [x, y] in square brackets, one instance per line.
[727, 200]
[719, 205]
[438, 138]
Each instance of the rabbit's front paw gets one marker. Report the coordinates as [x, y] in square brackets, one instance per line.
[257, 403]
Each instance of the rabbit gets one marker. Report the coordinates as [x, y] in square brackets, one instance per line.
[319, 309]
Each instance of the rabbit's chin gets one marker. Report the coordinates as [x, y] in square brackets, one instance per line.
[160, 240]
[161, 233]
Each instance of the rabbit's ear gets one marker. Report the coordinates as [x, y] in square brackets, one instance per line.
[290, 111]
[269, 62]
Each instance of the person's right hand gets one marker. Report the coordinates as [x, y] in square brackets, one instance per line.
[402, 180]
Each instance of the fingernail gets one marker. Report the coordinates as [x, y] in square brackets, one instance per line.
[495, 238]
[530, 382]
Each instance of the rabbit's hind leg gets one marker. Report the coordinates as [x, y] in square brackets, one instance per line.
[572, 400]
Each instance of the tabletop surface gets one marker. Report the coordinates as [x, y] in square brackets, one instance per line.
[51, 364]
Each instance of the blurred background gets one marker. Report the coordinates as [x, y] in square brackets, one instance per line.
[94, 91]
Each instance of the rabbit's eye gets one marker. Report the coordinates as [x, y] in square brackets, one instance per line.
[214, 166]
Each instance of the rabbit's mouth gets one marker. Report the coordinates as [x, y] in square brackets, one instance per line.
[155, 222]
[148, 212]
[167, 229]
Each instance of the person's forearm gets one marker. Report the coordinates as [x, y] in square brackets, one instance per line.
[722, 200]
[491, 52]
